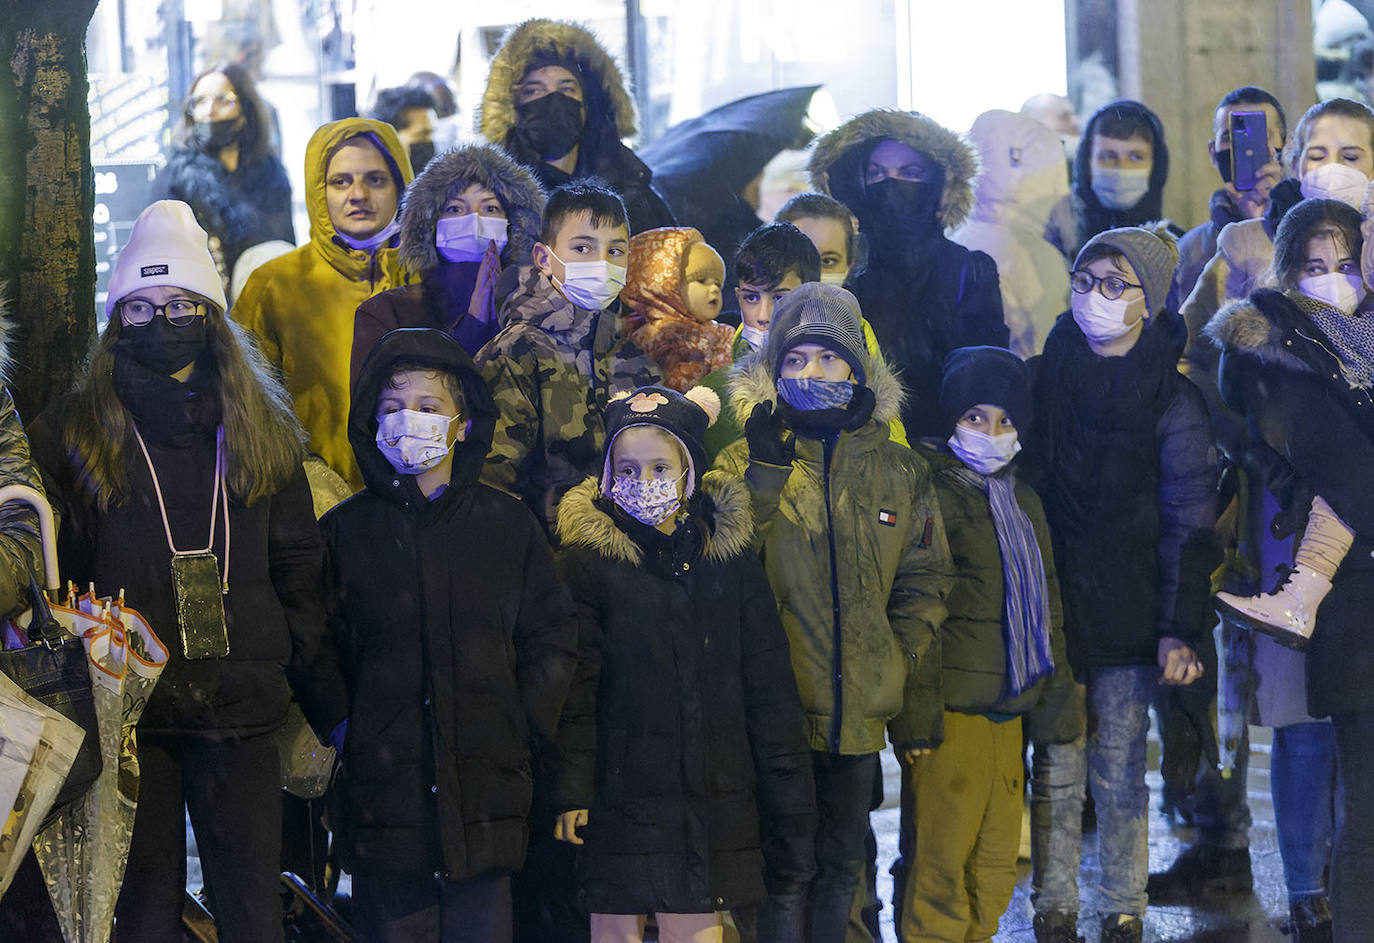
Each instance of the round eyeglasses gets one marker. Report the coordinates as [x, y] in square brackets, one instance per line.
[221, 101]
[179, 312]
[1110, 287]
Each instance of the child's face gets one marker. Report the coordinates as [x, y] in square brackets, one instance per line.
[814, 362]
[647, 452]
[988, 419]
[756, 301]
[701, 288]
[579, 241]
[831, 239]
[422, 391]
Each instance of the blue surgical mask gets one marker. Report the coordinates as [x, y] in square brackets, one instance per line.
[809, 395]
[465, 238]
[1120, 188]
[985, 454]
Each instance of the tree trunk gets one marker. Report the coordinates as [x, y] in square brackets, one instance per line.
[47, 249]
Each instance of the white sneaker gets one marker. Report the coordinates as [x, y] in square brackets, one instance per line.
[1289, 616]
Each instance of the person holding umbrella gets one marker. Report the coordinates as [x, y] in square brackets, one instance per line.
[175, 464]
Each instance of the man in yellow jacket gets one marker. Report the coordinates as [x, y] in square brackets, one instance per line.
[300, 305]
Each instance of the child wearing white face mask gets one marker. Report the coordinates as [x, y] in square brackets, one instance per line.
[1002, 661]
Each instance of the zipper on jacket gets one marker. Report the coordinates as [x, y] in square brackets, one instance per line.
[836, 663]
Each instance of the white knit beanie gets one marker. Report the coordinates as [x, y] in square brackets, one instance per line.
[166, 248]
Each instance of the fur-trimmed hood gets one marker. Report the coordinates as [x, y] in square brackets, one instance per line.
[554, 39]
[950, 150]
[582, 524]
[489, 167]
[751, 382]
[1242, 326]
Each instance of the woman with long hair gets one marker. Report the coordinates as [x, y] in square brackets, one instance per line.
[222, 164]
[175, 463]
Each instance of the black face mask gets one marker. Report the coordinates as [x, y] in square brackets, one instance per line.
[1223, 161]
[421, 153]
[160, 345]
[900, 211]
[216, 135]
[549, 127]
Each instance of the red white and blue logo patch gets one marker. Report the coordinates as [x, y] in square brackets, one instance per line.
[887, 517]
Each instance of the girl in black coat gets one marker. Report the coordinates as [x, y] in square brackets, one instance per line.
[177, 437]
[1299, 368]
[686, 777]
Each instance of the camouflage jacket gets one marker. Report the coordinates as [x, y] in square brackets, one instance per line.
[551, 370]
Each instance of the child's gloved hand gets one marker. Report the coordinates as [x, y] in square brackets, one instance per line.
[769, 440]
[566, 826]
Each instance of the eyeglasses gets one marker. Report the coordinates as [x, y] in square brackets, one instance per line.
[179, 312]
[222, 100]
[1111, 287]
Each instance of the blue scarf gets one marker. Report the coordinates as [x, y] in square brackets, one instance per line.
[1026, 606]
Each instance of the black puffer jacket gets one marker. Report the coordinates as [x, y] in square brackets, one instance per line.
[685, 738]
[274, 612]
[1123, 457]
[1280, 372]
[457, 641]
[237, 210]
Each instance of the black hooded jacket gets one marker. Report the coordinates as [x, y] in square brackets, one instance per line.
[1090, 216]
[457, 641]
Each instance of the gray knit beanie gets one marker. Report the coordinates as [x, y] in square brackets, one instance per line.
[816, 313]
[1152, 252]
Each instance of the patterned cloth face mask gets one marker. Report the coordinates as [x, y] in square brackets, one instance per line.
[413, 441]
[650, 501]
[812, 394]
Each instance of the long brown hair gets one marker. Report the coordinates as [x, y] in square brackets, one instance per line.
[264, 440]
[255, 138]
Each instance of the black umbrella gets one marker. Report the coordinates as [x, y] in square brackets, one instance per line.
[701, 165]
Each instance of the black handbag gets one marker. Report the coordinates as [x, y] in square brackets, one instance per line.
[53, 669]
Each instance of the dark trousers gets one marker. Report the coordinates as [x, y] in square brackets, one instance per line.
[232, 790]
[545, 893]
[404, 908]
[1352, 865]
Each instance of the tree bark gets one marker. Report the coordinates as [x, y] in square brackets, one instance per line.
[47, 249]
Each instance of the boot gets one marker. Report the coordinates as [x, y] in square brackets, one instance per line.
[1290, 614]
[1310, 920]
[1122, 928]
[1055, 927]
[1199, 872]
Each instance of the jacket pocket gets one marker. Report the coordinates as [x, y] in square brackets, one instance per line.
[886, 698]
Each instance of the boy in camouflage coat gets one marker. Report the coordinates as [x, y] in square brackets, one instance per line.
[562, 352]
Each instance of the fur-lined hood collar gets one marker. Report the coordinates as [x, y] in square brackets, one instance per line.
[559, 39]
[489, 167]
[1259, 330]
[751, 382]
[951, 151]
[582, 524]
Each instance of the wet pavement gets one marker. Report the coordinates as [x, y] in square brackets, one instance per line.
[1249, 918]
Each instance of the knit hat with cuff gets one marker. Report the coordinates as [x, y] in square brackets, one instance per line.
[816, 313]
[991, 375]
[1152, 252]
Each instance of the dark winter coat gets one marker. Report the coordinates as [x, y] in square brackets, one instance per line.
[1124, 460]
[685, 739]
[922, 299]
[1280, 372]
[457, 642]
[967, 671]
[1089, 214]
[274, 612]
[608, 107]
[237, 210]
[440, 298]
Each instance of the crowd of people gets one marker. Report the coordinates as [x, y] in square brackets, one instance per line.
[631, 593]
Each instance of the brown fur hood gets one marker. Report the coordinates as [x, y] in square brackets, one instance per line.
[1243, 327]
[564, 40]
[751, 382]
[951, 151]
[487, 166]
[582, 524]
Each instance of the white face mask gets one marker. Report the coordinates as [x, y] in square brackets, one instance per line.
[373, 242]
[832, 278]
[984, 453]
[1337, 289]
[590, 285]
[1100, 320]
[465, 238]
[1121, 188]
[1335, 182]
[756, 336]
[413, 441]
